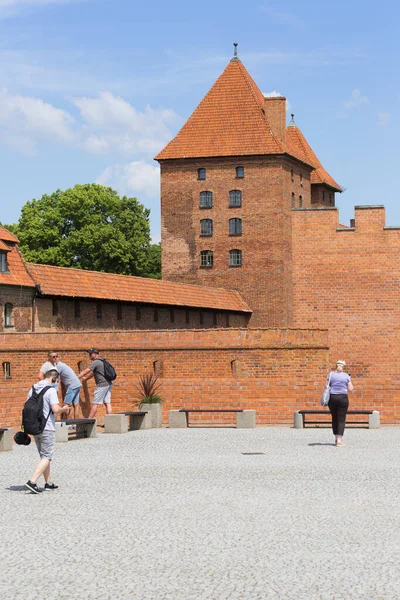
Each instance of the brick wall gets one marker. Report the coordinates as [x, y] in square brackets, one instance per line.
[322, 195]
[21, 300]
[65, 315]
[348, 282]
[275, 371]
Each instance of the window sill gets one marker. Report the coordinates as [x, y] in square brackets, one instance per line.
[235, 206]
[206, 266]
[203, 207]
[235, 235]
[234, 266]
[205, 235]
[9, 326]
[238, 177]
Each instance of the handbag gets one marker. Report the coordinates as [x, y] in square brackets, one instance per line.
[326, 393]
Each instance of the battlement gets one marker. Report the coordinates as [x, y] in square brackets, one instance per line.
[367, 219]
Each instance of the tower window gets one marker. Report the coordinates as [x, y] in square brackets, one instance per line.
[206, 258]
[201, 173]
[206, 227]
[3, 262]
[300, 201]
[293, 200]
[235, 198]
[240, 172]
[235, 226]
[206, 200]
[235, 258]
[8, 308]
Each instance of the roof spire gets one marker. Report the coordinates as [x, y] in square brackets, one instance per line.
[235, 56]
[292, 123]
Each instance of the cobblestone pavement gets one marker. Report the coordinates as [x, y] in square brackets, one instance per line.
[185, 514]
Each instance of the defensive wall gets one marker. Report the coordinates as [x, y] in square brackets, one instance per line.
[347, 281]
[274, 371]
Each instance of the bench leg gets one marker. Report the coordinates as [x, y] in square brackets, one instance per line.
[177, 419]
[86, 430]
[61, 432]
[298, 420]
[140, 421]
[246, 419]
[115, 423]
[6, 440]
[374, 420]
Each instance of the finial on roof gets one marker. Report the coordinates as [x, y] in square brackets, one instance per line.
[292, 123]
[235, 56]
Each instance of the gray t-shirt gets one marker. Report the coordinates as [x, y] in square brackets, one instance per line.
[67, 375]
[47, 366]
[49, 398]
[97, 366]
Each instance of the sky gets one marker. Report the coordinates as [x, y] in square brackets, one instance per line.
[91, 90]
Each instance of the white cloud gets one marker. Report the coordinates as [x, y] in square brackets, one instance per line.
[356, 100]
[112, 124]
[133, 179]
[384, 118]
[26, 121]
[273, 94]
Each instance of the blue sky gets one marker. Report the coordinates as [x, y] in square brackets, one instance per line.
[90, 90]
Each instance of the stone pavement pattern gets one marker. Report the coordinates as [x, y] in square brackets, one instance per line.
[183, 514]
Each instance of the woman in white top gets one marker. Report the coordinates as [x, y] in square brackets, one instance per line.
[340, 385]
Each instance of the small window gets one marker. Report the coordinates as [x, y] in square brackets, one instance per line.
[155, 315]
[77, 309]
[201, 173]
[158, 368]
[206, 199]
[235, 198]
[55, 308]
[7, 370]
[235, 226]
[240, 172]
[138, 313]
[293, 200]
[119, 312]
[292, 174]
[206, 227]
[235, 258]
[300, 201]
[99, 311]
[206, 258]
[172, 315]
[8, 308]
[187, 317]
[3, 262]
[301, 178]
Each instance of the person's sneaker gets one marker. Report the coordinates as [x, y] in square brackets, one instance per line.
[50, 486]
[33, 487]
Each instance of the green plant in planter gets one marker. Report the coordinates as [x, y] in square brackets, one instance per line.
[147, 388]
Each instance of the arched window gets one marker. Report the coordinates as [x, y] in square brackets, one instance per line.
[235, 226]
[206, 200]
[235, 258]
[8, 308]
[235, 198]
[206, 227]
[300, 201]
[293, 200]
[206, 258]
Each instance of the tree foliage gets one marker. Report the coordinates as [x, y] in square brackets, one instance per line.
[89, 227]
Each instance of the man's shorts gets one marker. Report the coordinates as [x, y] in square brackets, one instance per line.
[102, 395]
[72, 395]
[45, 443]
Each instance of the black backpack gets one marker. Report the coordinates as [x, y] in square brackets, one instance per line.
[109, 372]
[33, 419]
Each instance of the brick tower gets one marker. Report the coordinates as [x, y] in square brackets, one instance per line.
[229, 181]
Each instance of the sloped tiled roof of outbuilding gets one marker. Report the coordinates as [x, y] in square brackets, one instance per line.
[17, 274]
[7, 236]
[229, 121]
[69, 282]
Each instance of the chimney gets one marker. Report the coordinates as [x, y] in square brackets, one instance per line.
[275, 112]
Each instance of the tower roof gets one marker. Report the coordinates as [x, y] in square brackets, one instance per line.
[298, 147]
[229, 121]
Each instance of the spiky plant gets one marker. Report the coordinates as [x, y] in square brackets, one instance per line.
[147, 387]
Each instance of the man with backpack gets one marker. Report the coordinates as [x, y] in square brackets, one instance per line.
[104, 374]
[38, 419]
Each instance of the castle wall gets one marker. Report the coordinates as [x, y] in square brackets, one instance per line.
[347, 280]
[21, 299]
[275, 371]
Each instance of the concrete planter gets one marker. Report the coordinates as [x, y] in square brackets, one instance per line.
[156, 414]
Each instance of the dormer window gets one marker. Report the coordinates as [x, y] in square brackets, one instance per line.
[3, 262]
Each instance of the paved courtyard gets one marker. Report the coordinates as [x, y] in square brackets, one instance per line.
[184, 514]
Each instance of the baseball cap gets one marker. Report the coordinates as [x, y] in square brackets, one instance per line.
[92, 351]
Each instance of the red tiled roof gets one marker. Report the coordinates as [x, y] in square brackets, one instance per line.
[4, 247]
[67, 282]
[229, 121]
[18, 274]
[7, 236]
[298, 147]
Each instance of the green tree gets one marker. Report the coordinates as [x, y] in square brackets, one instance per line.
[88, 227]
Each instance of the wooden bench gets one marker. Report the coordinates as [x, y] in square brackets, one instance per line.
[6, 439]
[372, 421]
[85, 428]
[127, 421]
[245, 419]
